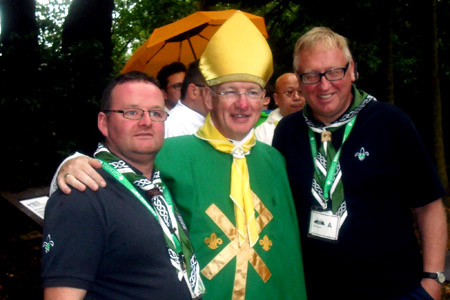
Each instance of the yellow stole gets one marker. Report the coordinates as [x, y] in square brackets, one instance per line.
[240, 191]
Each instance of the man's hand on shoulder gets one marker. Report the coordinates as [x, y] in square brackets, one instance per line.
[80, 172]
[63, 293]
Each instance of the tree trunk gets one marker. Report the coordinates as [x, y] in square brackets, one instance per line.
[19, 52]
[87, 67]
[88, 20]
[438, 140]
[86, 39]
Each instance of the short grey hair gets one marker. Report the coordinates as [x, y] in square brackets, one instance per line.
[324, 35]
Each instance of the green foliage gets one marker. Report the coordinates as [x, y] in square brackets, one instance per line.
[50, 18]
[135, 20]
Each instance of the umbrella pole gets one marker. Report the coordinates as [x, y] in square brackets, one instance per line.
[192, 49]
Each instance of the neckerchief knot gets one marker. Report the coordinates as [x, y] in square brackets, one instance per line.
[238, 152]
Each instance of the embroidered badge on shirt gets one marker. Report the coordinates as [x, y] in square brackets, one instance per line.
[48, 244]
[361, 155]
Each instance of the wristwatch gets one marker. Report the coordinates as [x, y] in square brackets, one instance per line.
[438, 276]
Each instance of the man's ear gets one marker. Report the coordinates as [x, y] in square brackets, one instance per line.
[354, 72]
[275, 97]
[208, 98]
[102, 123]
[192, 91]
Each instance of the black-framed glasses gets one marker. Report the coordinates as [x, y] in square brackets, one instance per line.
[290, 94]
[233, 95]
[138, 114]
[331, 75]
[176, 86]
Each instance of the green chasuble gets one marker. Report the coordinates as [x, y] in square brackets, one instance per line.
[198, 177]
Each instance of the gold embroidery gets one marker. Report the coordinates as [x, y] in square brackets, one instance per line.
[266, 243]
[244, 254]
[213, 241]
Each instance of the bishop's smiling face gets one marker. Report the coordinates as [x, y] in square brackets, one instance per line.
[235, 118]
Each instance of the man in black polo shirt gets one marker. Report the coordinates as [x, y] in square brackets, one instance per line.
[126, 241]
[356, 168]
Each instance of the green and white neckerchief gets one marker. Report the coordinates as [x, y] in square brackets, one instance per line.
[180, 250]
[327, 184]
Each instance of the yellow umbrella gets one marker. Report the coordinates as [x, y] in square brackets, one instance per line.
[183, 40]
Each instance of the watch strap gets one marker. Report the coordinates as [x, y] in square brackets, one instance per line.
[438, 276]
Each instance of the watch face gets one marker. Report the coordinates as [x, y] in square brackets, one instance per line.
[441, 277]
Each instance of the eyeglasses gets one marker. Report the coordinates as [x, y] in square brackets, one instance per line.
[138, 114]
[232, 95]
[176, 86]
[291, 93]
[331, 75]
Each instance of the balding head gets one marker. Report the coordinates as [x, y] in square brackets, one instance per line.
[287, 94]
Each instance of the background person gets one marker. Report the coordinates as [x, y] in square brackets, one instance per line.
[288, 98]
[189, 113]
[170, 79]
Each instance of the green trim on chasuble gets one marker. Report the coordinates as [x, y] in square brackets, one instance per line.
[199, 176]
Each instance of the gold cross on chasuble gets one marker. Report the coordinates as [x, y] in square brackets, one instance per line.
[244, 254]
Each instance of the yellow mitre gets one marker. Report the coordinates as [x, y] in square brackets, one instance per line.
[237, 52]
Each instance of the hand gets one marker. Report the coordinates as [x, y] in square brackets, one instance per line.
[79, 172]
[432, 287]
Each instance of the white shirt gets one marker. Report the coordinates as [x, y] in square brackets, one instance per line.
[264, 132]
[182, 121]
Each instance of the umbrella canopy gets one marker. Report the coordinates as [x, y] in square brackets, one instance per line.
[183, 40]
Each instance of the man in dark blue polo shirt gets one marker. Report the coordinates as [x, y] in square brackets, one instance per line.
[357, 170]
